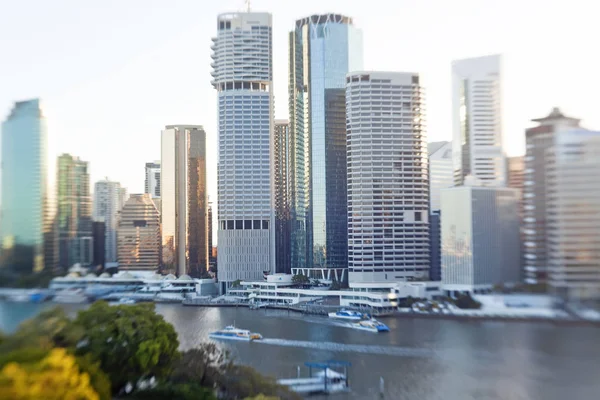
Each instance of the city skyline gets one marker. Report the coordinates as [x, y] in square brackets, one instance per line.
[137, 128]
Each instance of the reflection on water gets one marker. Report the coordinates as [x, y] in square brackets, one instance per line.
[418, 359]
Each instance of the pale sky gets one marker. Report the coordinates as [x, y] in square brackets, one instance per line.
[113, 73]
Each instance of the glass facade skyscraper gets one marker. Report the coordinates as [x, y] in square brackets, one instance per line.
[323, 49]
[282, 200]
[24, 222]
[184, 201]
[243, 77]
[107, 205]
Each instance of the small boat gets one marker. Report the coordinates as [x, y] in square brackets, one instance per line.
[70, 296]
[347, 315]
[126, 300]
[233, 333]
[371, 325]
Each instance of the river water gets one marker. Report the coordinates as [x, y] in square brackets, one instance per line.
[418, 359]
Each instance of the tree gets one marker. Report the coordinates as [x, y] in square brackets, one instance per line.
[55, 377]
[130, 342]
[236, 283]
[465, 301]
[203, 365]
[262, 397]
[174, 391]
[242, 381]
[300, 279]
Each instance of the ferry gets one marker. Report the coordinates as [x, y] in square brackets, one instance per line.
[71, 296]
[233, 333]
[347, 315]
[371, 325]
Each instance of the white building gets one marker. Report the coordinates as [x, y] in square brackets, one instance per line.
[573, 215]
[477, 120]
[441, 171]
[243, 77]
[388, 180]
[152, 181]
[107, 205]
[480, 238]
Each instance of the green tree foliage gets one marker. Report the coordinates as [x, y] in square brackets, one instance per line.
[236, 283]
[204, 365]
[262, 397]
[242, 381]
[300, 279]
[98, 379]
[174, 391]
[130, 342]
[466, 302]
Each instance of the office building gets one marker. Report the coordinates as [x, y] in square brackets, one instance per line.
[322, 50]
[152, 181]
[477, 120]
[480, 238]
[107, 205]
[243, 77]
[538, 140]
[388, 179]
[99, 238]
[24, 220]
[184, 201]
[282, 200]
[515, 176]
[573, 216]
[74, 212]
[139, 238]
[211, 258]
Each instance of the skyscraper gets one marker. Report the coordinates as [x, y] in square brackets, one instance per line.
[184, 203]
[282, 190]
[481, 246]
[243, 77]
[477, 120]
[139, 234]
[573, 215]
[24, 221]
[211, 259]
[388, 182]
[152, 181]
[538, 141]
[74, 212]
[323, 49]
[107, 205]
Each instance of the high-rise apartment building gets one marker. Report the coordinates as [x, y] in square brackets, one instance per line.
[282, 199]
[573, 215]
[184, 201]
[152, 181]
[388, 180]
[538, 141]
[99, 237]
[481, 246]
[74, 212]
[139, 239]
[211, 259]
[25, 224]
[107, 205]
[477, 120]
[243, 77]
[322, 50]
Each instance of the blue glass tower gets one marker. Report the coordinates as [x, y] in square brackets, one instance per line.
[23, 221]
[323, 49]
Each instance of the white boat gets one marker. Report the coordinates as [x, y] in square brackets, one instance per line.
[328, 381]
[233, 333]
[71, 296]
[126, 300]
[347, 315]
[371, 325]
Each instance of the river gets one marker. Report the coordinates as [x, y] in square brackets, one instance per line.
[418, 359]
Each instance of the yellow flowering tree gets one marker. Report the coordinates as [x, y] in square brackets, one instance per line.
[57, 376]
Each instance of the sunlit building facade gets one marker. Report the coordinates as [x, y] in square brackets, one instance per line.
[282, 199]
[24, 218]
[184, 201]
[139, 238]
[74, 212]
[322, 50]
[477, 120]
[243, 77]
[388, 180]
[106, 208]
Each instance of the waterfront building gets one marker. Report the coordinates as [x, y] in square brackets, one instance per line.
[25, 222]
[184, 201]
[74, 212]
[477, 120]
[573, 216]
[139, 238]
[388, 179]
[243, 78]
[152, 181]
[106, 208]
[441, 175]
[322, 50]
[282, 200]
[538, 140]
[480, 238]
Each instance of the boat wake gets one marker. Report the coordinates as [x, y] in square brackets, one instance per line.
[353, 348]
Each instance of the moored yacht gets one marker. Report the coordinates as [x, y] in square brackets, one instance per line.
[371, 325]
[71, 296]
[347, 315]
[233, 333]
